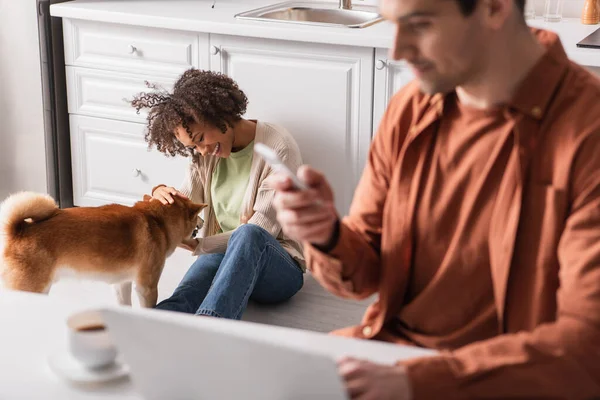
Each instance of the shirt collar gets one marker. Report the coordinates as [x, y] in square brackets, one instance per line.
[534, 94]
[531, 98]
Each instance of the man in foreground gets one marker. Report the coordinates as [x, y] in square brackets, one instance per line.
[477, 218]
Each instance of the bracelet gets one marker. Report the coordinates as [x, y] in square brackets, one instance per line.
[333, 241]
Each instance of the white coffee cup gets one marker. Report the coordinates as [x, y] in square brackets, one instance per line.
[89, 340]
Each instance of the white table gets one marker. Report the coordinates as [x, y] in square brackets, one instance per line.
[32, 327]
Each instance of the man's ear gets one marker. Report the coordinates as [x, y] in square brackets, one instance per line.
[195, 209]
[147, 198]
[496, 12]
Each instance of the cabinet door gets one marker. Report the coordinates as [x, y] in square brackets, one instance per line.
[390, 76]
[322, 94]
[112, 163]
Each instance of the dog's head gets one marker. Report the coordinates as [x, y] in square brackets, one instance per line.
[183, 210]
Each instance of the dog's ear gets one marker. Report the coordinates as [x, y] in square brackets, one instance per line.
[147, 198]
[195, 209]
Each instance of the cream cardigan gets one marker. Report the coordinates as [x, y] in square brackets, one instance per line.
[257, 205]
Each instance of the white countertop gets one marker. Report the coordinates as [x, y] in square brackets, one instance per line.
[571, 31]
[198, 16]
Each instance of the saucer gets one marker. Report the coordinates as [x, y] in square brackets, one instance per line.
[67, 367]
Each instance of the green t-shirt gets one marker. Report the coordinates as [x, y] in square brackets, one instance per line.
[228, 187]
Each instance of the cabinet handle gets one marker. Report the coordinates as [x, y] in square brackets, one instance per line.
[380, 64]
[132, 49]
[136, 172]
[214, 50]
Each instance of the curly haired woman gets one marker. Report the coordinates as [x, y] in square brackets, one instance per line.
[243, 253]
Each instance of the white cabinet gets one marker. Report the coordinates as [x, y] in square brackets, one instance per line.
[330, 97]
[106, 65]
[112, 164]
[321, 93]
[132, 48]
[107, 94]
[390, 76]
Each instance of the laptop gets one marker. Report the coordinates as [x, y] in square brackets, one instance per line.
[177, 356]
[592, 41]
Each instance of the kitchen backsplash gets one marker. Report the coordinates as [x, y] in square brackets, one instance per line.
[572, 8]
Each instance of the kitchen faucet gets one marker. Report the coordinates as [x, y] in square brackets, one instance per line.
[345, 4]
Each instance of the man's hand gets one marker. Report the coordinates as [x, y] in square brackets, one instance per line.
[305, 215]
[165, 194]
[365, 380]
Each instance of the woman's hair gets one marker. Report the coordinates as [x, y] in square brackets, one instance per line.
[198, 96]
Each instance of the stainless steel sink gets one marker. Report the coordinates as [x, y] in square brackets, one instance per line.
[312, 13]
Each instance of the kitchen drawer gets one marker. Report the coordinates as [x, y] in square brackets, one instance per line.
[112, 164]
[106, 94]
[132, 48]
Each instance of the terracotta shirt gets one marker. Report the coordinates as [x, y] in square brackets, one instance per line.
[481, 237]
[453, 213]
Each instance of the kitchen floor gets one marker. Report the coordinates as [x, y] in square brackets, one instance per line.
[312, 308]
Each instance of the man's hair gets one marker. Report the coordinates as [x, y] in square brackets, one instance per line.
[468, 6]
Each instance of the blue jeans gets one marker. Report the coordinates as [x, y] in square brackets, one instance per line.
[255, 266]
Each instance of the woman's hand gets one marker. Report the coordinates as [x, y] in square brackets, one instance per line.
[165, 194]
[189, 244]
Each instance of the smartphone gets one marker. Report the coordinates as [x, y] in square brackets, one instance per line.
[275, 162]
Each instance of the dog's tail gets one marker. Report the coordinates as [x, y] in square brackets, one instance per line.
[22, 206]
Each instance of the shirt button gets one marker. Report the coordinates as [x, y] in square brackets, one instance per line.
[536, 111]
[367, 330]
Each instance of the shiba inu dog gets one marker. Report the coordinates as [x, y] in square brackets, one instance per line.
[40, 242]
